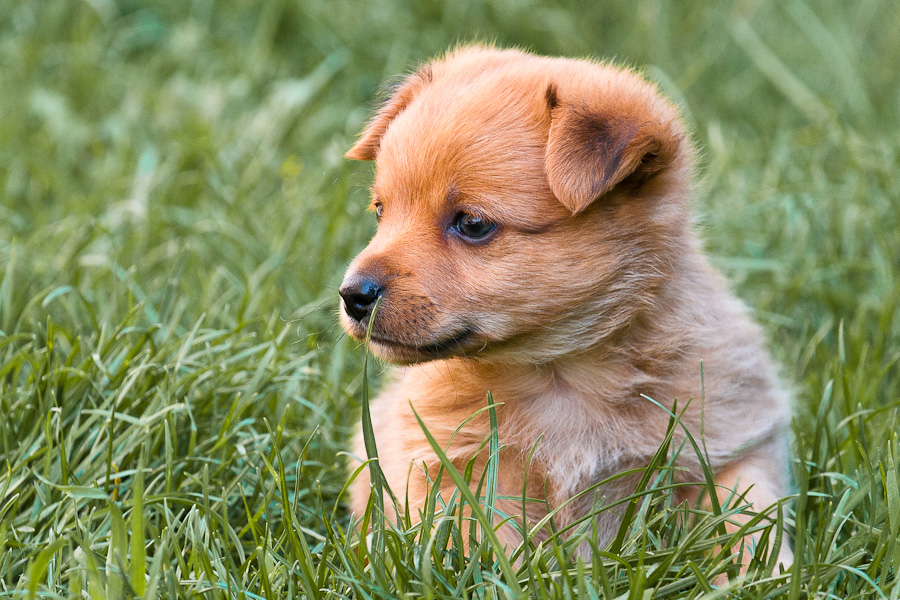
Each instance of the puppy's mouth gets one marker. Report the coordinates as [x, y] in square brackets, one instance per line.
[455, 344]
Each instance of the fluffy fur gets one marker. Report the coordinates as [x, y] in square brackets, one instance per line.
[591, 292]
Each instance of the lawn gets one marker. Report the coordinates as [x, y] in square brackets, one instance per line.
[175, 216]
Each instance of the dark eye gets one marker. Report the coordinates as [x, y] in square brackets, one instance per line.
[379, 211]
[473, 226]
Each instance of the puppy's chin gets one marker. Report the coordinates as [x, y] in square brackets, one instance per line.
[404, 352]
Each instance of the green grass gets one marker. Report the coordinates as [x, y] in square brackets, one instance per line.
[175, 216]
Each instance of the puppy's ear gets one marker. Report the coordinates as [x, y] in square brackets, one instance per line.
[596, 146]
[370, 140]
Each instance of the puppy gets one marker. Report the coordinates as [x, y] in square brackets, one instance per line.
[534, 241]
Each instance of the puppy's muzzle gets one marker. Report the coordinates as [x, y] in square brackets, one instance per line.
[360, 294]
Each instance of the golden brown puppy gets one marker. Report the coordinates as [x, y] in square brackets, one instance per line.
[534, 240]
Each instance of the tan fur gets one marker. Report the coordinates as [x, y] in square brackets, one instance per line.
[592, 293]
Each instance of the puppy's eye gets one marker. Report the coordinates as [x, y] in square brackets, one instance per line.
[473, 226]
[379, 211]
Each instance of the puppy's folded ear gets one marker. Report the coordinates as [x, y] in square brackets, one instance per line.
[597, 144]
[370, 140]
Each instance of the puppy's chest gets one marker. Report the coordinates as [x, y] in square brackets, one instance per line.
[575, 443]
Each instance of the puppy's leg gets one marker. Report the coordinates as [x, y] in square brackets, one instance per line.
[389, 439]
[407, 460]
[760, 479]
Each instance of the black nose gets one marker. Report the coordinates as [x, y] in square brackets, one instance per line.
[359, 296]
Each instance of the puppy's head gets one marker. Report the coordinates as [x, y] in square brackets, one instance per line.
[527, 208]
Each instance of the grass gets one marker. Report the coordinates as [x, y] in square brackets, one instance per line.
[176, 215]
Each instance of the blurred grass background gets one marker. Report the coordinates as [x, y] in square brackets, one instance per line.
[175, 216]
